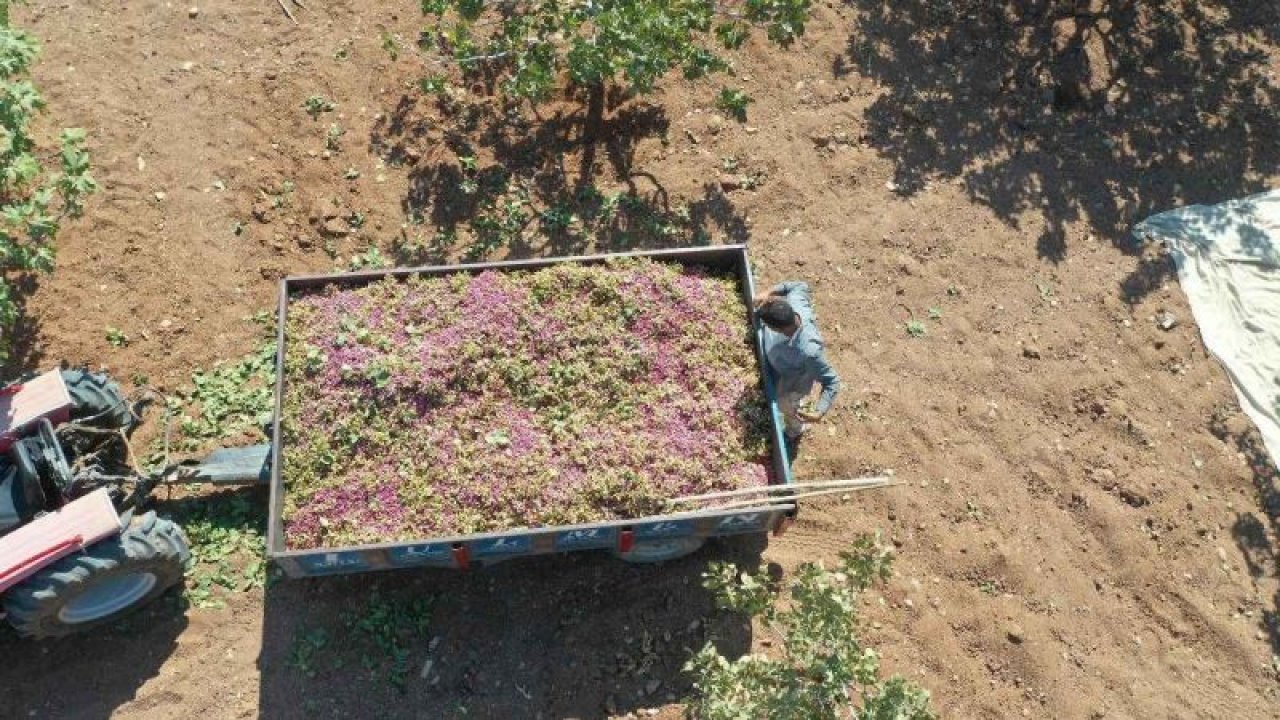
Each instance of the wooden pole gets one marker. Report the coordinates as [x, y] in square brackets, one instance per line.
[285, 8]
[794, 487]
[799, 496]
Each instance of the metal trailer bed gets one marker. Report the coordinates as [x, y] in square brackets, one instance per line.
[645, 539]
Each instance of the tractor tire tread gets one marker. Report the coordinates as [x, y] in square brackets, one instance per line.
[97, 398]
[157, 544]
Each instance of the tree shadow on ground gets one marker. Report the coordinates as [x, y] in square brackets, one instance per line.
[1254, 535]
[21, 341]
[488, 177]
[581, 635]
[1098, 112]
[92, 674]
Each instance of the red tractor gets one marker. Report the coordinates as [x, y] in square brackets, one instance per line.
[74, 552]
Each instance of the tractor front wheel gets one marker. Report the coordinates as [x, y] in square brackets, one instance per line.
[102, 583]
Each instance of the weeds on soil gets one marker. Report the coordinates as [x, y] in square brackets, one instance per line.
[370, 259]
[228, 549]
[228, 399]
[733, 103]
[307, 645]
[823, 670]
[317, 104]
[333, 137]
[383, 631]
[226, 531]
[390, 626]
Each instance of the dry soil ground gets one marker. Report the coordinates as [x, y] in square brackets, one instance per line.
[1085, 528]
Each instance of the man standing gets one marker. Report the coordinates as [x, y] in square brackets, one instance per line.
[795, 352]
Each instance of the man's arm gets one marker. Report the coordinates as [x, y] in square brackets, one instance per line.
[828, 379]
[786, 287]
[784, 290]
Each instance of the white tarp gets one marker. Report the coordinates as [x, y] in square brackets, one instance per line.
[1228, 260]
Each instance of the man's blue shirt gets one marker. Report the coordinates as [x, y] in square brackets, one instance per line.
[800, 361]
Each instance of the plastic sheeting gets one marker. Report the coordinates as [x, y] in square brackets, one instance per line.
[1228, 261]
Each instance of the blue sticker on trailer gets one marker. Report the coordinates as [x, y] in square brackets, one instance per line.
[741, 523]
[334, 562]
[435, 554]
[588, 538]
[502, 546]
[665, 529]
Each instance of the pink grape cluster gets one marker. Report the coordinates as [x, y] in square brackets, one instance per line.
[437, 406]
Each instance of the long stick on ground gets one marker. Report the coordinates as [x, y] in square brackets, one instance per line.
[794, 487]
[285, 8]
[762, 502]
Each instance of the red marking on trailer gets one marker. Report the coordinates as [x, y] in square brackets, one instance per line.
[461, 557]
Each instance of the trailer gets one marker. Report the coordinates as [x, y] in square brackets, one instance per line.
[78, 547]
[641, 540]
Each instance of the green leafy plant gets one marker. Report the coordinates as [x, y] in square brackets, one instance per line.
[915, 328]
[34, 197]
[823, 670]
[390, 45]
[228, 549]
[753, 180]
[989, 587]
[733, 102]
[392, 626]
[333, 137]
[557, 218]
[317, 104]
[116, 337]
[307, 645]
[530, 47]
[370, 259]
[279, 196]
[433, 84]
[228, 399]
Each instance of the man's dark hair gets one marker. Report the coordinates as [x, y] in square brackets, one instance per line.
[777, 314]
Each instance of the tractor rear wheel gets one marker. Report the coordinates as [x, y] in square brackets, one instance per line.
[102, 583]
[96, 400]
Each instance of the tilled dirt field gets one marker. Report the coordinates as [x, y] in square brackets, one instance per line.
[1085, 528]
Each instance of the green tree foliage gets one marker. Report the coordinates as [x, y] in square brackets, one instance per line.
[34, 197]
[526, 44]
[824, 672]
